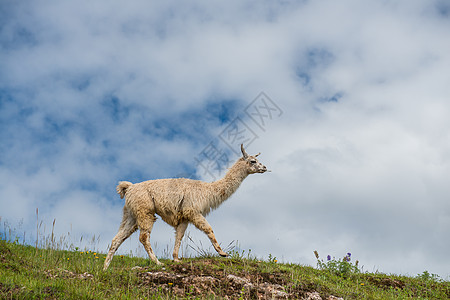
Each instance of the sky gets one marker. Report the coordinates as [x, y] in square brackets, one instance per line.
[348, 102]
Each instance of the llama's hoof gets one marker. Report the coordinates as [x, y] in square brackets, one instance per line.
[223, 254]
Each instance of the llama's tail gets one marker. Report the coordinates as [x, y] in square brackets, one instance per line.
[122, 188]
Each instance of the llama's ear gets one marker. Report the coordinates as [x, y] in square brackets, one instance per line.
[244, 154]
[257, 154]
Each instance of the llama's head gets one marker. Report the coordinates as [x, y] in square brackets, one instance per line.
[253, 165]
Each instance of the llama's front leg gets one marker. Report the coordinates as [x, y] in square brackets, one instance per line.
[179, 233]
[200, 222]
[145, 227]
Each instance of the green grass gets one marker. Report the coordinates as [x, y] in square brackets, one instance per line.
[27, 272]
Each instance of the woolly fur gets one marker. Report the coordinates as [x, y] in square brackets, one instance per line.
[178, 201]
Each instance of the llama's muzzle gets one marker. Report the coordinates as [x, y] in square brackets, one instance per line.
[264, 170]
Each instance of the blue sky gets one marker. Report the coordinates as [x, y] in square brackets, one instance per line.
[94, 93]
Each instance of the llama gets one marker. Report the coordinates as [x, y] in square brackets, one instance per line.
[178, 201]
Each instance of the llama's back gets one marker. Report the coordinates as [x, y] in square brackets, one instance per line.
[171, 198]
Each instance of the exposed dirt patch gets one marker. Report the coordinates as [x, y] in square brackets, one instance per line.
[208, 277]
[67, 274]
[387, 283]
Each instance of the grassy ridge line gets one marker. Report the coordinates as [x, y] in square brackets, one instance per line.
[30, 273]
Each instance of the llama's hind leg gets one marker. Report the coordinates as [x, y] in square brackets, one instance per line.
[200, 222]
[145, 226]
[127, 227]
[179, 233]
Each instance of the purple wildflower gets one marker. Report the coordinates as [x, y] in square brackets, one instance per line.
[347, 258]
[329, 257]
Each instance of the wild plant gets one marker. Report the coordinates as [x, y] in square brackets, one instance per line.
[427, 276]
[341, 267]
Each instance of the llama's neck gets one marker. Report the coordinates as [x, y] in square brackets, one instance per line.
[226, 186]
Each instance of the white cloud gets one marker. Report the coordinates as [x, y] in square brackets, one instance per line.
[93, 93]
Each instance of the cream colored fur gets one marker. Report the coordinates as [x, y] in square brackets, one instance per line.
[178, 201]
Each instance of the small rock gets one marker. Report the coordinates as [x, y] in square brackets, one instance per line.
[86, 275]
[205, 279]
[313, 296]
[237, 280]
[276, 291]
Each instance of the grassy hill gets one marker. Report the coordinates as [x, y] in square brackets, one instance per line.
[27, 272]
